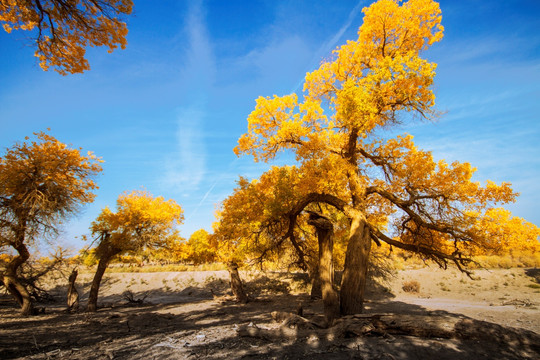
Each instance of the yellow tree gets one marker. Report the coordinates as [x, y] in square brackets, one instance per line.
[248, 224]
[507, 234]
[394, 192]
[64, 28]
[253, 225]
[140, 222]
[200, 248]
[42, 182]
[171, 252]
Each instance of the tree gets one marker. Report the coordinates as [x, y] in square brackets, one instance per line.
[253, 223]
[42, 182]
[64, 28]
[200, 248]
[507, 234]
[393, 192]
[140, 222]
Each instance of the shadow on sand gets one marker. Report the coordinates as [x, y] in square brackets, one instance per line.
[192, 324]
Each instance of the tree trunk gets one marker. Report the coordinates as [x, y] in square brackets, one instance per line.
[315, 279]
[236, 283]
[355, 269]
[73, 294]
[94, 290]
[325, 232]
[13, 285]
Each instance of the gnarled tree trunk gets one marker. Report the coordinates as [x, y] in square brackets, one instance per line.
[13, 285]
[325, 232]
[237, 286]
[73, 294]
[355, 270]
[94, 289]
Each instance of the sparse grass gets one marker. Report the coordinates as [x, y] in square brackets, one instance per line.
[412, 286]
[443, 286]
[533, 286]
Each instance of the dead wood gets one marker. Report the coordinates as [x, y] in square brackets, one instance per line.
[423, 326]
[283, 332]
[291, 320]
[130, 297]
[72, 294]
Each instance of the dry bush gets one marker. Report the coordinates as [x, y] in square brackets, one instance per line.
[412, 286]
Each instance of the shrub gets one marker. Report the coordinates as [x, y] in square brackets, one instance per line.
[412, 286]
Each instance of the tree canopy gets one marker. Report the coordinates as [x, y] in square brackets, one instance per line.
[390, 190]
[42, 182]
[65, 28]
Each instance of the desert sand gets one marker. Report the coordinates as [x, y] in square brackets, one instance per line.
[188, 315]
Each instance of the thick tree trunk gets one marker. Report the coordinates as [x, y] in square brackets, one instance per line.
[330, 297]
[355, 269]
[315, 279]
[237, 286]
[19, 293]
[94, 289]
[13, 285]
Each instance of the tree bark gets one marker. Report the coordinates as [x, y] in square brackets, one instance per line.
[94, 290]
[13, 285]
[325, 232]
[315, 278]
[237, 286]
[73, 294]
[355, 270]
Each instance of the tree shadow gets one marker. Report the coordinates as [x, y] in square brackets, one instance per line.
[192, 323]
[534, 273]
[205, 328]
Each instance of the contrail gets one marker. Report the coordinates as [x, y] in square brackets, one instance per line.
[210, 190]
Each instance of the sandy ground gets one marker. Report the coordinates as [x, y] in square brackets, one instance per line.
[188, 316]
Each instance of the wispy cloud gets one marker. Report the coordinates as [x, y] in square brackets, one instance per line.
[186, 165]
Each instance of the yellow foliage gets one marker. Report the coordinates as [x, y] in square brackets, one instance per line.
[140, 221]
[507, 234]
[200, 248]
[367, 82]
[337, 133]
[42, 181]
[66, 27]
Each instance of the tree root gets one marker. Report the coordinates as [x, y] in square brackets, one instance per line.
[295, 327]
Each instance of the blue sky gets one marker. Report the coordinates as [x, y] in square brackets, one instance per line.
[166, 112]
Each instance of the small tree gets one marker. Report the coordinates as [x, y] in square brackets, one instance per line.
[253, 224]
[200, 248]
[42, 182]
[64, 28]
[140, 221]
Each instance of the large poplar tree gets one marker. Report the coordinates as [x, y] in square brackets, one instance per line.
[392, 191]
